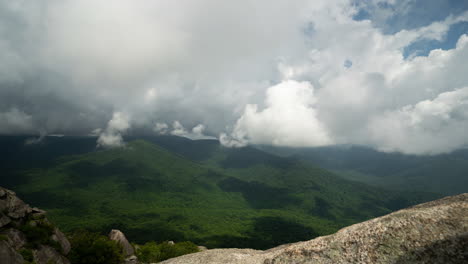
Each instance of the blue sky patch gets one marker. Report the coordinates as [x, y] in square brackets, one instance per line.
[423, 47]
[407, 14]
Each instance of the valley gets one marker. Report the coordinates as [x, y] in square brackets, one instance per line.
[173, 188]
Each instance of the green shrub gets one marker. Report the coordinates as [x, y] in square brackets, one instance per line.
[148, 252]
[27, 255]
[39, 233]
[93, 248]
[152, 252]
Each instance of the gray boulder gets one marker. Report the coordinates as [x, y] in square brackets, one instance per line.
[59, 237]
[202, 248]
[3, 202]
[118, 236]
[4, 220]
[15, 207]
[16, 239]
[38, 213]
[131, 260]
[47, 255]
[8, 255]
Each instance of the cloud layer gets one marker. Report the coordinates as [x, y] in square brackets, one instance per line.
[298, 73]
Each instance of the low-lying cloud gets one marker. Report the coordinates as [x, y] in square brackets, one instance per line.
[288, 119]
[179, 130]
[111, 137]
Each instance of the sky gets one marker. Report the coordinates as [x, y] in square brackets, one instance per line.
[389, 74]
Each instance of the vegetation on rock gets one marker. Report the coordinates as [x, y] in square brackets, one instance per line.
[152, 252]
[93, 248]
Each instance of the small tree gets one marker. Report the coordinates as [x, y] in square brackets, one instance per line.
[93, 248]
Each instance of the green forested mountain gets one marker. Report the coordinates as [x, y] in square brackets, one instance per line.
[445, 173]
[171, 188]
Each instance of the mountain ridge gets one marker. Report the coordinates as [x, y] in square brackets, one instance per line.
[234, 197]
[442, 173]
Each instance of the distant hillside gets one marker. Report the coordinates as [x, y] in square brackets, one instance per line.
[178, 189]
[445, 174]
[18, 153]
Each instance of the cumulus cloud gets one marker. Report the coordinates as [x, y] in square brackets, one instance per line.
[237, 139]
[178, 129]
[430, 126]
[111, 137]
[198, 132]
[298, 73]
[288, 119]
[161, 128]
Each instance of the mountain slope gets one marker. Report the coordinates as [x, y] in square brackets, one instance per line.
[444, 173]
[434, 232]
[250, 164]
[217, 197]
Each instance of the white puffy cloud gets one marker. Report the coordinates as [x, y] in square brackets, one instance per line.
[198, 130]
[237, 139]
[111, 137]
[379, 81]
[178, 129]
[288, 119]
[161, 128]
[430, 126]
[196, 133]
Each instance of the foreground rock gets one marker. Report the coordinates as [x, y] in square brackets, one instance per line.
[127, 249]
[434, 232]
[19, 228]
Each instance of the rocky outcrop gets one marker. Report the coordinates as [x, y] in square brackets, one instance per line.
[9, 255]
[120, 238]
[27, 236]
[47, 254]
[127, 249]
[434, 232]
[60, 238]
[15, 238]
